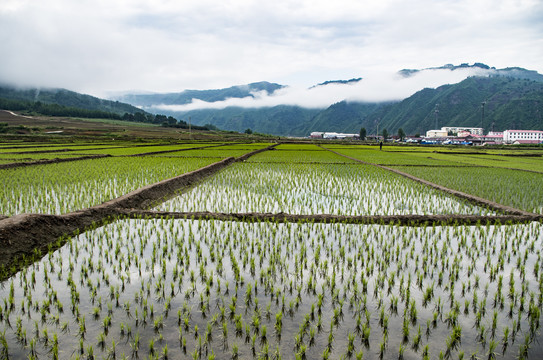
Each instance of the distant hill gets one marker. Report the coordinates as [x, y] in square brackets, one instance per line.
[347, 117]
[338, 82]
[186, 97]
[278, 120]
[510, 103]
[66, 98]
[515, 72]
[513, 98]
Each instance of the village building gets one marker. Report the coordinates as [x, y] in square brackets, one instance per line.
[523, 136]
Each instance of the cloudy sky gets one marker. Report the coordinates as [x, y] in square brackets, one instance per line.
[104, 46]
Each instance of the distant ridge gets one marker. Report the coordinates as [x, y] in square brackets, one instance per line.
[66, 98]
[515, 72]
[513, 98]
[187, 96]
[341, 82]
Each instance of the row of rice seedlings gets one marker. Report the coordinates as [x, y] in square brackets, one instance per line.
[516, 162]
[292, 153]
[67, 148]
[64, 187]
[35, 157]
[141, 149]
[519, 189]
[375, 156]
[217, 152]
[316, 189]
[210, 289]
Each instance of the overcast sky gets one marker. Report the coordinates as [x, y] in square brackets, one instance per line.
[103, 46]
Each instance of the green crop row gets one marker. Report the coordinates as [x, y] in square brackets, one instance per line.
[314, 154]
[315, 189]
[519, 189]
[64, 187]
[140, 149]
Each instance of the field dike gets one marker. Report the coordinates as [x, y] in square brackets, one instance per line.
[52, 161]
[26, 236]
[402, 220]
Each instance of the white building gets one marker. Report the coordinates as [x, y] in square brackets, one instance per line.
[510, 136]
[436, 133]
[316, 135]
[335, 135]
[456, 130]
[331, 135]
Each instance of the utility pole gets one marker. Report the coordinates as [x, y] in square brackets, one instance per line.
[482, 116]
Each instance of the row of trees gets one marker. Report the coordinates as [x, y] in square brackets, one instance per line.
[166, 121]
[38, 107]
[364, 134]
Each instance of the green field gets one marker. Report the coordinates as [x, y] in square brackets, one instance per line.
[154, 287]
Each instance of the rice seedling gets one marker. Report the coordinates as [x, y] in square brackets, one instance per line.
[133, 274]
[64, 187]
[329, 189]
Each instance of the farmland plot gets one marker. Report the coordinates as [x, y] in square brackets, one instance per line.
[65, 187]
[209, 289]
[200, 289]
[523, 190]
[353, 189]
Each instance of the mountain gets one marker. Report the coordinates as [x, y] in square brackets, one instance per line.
[277, 120]
[66, 98]
[186, 97]
[338, 82]
[515, 72]
[346, 117]
[513, 98]
[509, 103]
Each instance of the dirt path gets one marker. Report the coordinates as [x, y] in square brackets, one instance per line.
[52, 161]
[468, 197]
[14, 114]
[408, 220]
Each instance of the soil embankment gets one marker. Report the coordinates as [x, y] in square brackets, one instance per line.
[52, 161]
[404, 220]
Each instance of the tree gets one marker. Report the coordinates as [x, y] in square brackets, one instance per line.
[248, 131]
[363, 133]
[385, 134]
[401, 134]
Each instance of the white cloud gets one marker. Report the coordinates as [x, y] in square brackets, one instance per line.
[376, 88]
[168, 45]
